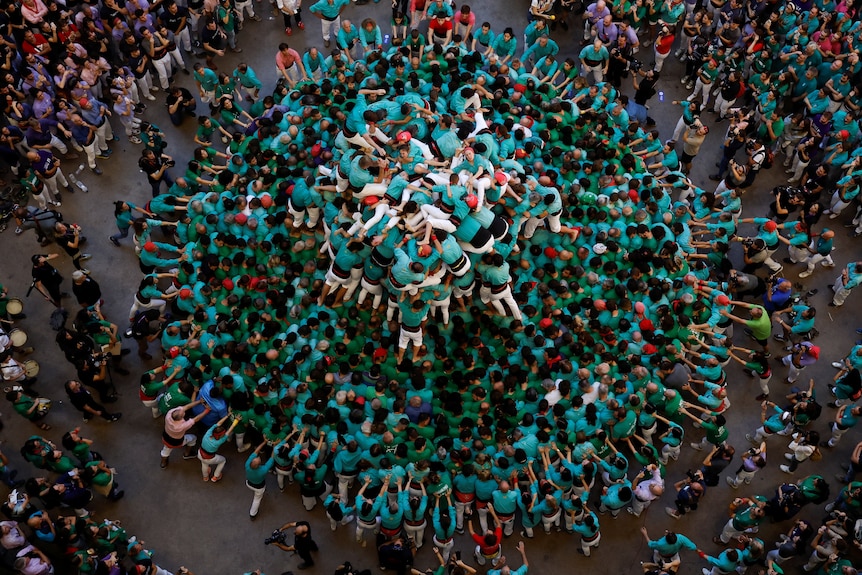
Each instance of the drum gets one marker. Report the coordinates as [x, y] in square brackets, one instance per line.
[18, 337]
[14, 306]
[31, 368]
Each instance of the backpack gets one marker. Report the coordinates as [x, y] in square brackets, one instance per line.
[58, 318]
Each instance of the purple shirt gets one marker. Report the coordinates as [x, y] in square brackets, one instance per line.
[45, 163]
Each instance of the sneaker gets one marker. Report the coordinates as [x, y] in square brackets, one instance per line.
[632, 511]
[788, 457]
[832, 265]
[244, 448]
[134, 139]
[18, 231]
[805, 274]
[57, 204]
[750, 438]
[784, 468]
[103, 155]
[164, 463]
[288, 31]
[188, 456]
[672, 512]
[216, 478]
[85, 271]
[300, 25]
[696, 446]
[97, 170]
[731, 482]
[778, 337]
[206, 479]
[114, 241]
[150, 97]
[85, 257]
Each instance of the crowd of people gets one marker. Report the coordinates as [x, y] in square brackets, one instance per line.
[446, 276]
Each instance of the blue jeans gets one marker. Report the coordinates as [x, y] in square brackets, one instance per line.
[123, 233]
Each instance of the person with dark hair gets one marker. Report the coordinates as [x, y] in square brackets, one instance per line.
[46, 279]
[689, 492]
[803, 446]
[489, 544]
[82, 400]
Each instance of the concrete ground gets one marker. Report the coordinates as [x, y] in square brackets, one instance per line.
[206, 526]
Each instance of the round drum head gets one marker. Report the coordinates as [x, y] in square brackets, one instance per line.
[31, 368]
[14, 306]
[18, 337]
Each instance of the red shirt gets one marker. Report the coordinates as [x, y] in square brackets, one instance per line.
[440, 28]
[664, 43]
[493, 549]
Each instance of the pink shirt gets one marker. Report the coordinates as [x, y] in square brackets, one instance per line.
[282, 61]
[174, 428]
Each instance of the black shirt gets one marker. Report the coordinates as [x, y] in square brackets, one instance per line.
[215, 38]
[150, 167]
[65, 240]
[47, 274]
[184, 95]
[87, 292]
[173, 22]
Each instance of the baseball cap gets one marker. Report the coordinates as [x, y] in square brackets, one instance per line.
[722, 300]
[813, 351]
[227, 283]
[240, 218]
[150, 247]
[404, 136]
[83, 101]
[770, 226]
[546, 322]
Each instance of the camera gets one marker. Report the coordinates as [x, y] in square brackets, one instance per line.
[170, 163]
[635, 65]
[278, 536]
